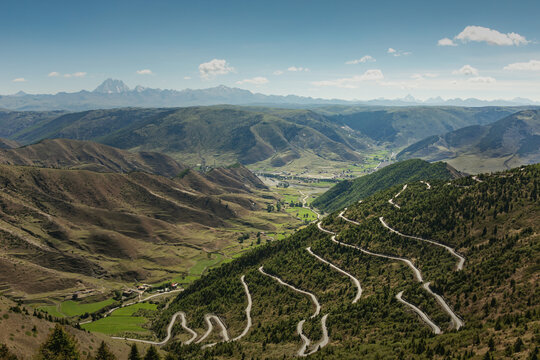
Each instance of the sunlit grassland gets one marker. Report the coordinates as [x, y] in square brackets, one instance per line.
[122, 320]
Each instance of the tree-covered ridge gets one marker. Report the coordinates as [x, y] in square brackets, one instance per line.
[351, 191]
[493, 222]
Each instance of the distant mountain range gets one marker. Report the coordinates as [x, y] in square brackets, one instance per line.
[506, 143]
[115, 93]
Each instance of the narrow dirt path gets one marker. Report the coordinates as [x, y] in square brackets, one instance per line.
[461, 259]
[304, 204]
[422, 315]
[354, 280]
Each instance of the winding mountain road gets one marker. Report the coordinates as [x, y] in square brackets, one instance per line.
[391, 201]
[248, 310]
[422, 315]
[354, 280]
[313, 297]
[324, 339]
[208, 319]
[132, 303]
[167, 338]
[191, 331]
[461, 259]
[305, 340]
[416, 271]
[458, 323]
[426, 183]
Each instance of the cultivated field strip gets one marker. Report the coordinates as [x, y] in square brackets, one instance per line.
[158, 343]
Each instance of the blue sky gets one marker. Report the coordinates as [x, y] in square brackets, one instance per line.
[492, 49]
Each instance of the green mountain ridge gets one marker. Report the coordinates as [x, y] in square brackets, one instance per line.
[197, 134]
[348, 192]
[491, 222]
[270, 137]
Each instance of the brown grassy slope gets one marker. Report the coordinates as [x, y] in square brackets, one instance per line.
[65, 228]
[74, 154]
[8, 144]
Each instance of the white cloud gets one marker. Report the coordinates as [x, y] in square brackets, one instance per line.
[466, 70]
[482, 80]
[352, 82]
[490, 36]
[403, 85]
[424, 76]
[446, 42]
[258, 80]
[395, 52]
[144, 72]
[19, 80]
[187, 77]
[75, 74]
[214, 67]
[532, 65]
[297, 69]
[363, 59]
[278, 72]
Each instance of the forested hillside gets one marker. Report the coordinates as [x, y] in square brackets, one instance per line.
[350, 191]
[476, 250]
